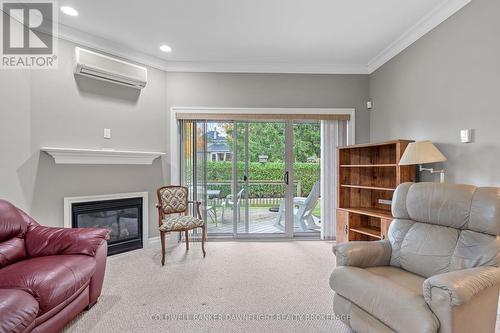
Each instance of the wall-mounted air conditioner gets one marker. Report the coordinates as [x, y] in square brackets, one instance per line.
[105, 68]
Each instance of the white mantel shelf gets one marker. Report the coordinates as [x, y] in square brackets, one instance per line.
[100, 156]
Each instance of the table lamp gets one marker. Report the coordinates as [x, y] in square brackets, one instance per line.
[423, 152]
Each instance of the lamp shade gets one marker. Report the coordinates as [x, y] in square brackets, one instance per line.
[421, 152]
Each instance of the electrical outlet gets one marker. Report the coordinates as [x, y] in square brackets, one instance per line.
[107, 133]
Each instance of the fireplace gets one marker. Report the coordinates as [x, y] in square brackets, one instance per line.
[123, 217]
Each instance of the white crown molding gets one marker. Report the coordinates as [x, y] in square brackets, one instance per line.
[103, 156]
[438, 15]
[108, 46]
[262, 67]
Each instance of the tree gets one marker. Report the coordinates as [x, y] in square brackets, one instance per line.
[269, 139]
[306, 141]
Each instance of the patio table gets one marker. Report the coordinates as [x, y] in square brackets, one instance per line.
[213, 194]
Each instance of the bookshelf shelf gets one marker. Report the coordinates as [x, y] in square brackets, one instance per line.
[368, 175]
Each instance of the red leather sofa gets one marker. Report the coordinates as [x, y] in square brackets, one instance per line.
[47, 275]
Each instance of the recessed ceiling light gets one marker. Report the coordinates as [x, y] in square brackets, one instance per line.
[166, 48]
[69, 11]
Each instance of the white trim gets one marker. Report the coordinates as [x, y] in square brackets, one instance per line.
[175, 137]
[68, 201]
[100, 156]
[153, 241]
[265, 67]
[108, 46]
[438, 15]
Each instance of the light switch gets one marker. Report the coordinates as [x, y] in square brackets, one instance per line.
[107, 133]
[466, 135]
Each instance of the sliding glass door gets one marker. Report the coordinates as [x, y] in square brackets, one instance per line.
[261, 175]
[254, 179]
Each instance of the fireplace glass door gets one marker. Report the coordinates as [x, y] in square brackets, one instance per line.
[122, 218]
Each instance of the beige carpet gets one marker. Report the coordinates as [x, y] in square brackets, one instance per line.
[249, 279]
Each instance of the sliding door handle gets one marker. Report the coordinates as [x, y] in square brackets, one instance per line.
[285, 178]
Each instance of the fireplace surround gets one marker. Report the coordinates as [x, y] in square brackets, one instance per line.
[124, 215]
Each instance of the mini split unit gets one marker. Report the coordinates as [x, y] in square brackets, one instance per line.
[105, 68]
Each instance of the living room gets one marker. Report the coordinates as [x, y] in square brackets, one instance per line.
[184, 166]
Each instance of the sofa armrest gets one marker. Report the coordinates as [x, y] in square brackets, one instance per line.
[462, 285]
[363, 254]
[97, 279]
[46, 241]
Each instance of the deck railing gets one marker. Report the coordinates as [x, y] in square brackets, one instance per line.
[259, 197]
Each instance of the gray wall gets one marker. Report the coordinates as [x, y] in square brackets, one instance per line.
[446, 81]
[53, 108]
[15, 134]
[273, 90]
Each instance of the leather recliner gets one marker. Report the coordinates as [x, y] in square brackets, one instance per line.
[436, 272]
[47, 275]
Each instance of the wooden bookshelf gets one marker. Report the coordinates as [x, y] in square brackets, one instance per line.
[368, 175]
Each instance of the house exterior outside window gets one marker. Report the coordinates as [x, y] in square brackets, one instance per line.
[217, 147]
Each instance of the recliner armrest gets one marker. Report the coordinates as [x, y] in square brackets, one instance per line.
[363, 253]
[46, 241]
[462, 285]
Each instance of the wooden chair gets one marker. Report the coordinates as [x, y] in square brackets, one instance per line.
[173, 201]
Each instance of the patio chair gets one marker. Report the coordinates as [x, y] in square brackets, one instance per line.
[303, 209]
[209, 207]
[229, 202]
[173, 207]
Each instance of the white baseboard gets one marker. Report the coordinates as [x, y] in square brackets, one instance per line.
[153, 241]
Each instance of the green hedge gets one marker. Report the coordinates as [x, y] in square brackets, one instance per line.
[305, 173]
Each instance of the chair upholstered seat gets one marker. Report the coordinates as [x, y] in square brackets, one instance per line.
[179, 223]
[397, 301]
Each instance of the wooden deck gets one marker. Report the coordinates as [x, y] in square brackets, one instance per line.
[262, 221]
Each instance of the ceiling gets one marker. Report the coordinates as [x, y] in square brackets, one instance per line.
[317, 36]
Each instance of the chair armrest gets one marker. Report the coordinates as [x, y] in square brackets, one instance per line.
[47, 241]
[363, 254]
[462, 285]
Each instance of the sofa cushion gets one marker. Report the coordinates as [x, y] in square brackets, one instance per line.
[398, 208]
[442, 204]
[427, 249]
[50, 280]
[43, 241]
[12, 228]
[18, 310]
[11, 223]
[12, 250]
[475, 249]
[358, 319]
[397, 233]
[485, 211]
[403, 309]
